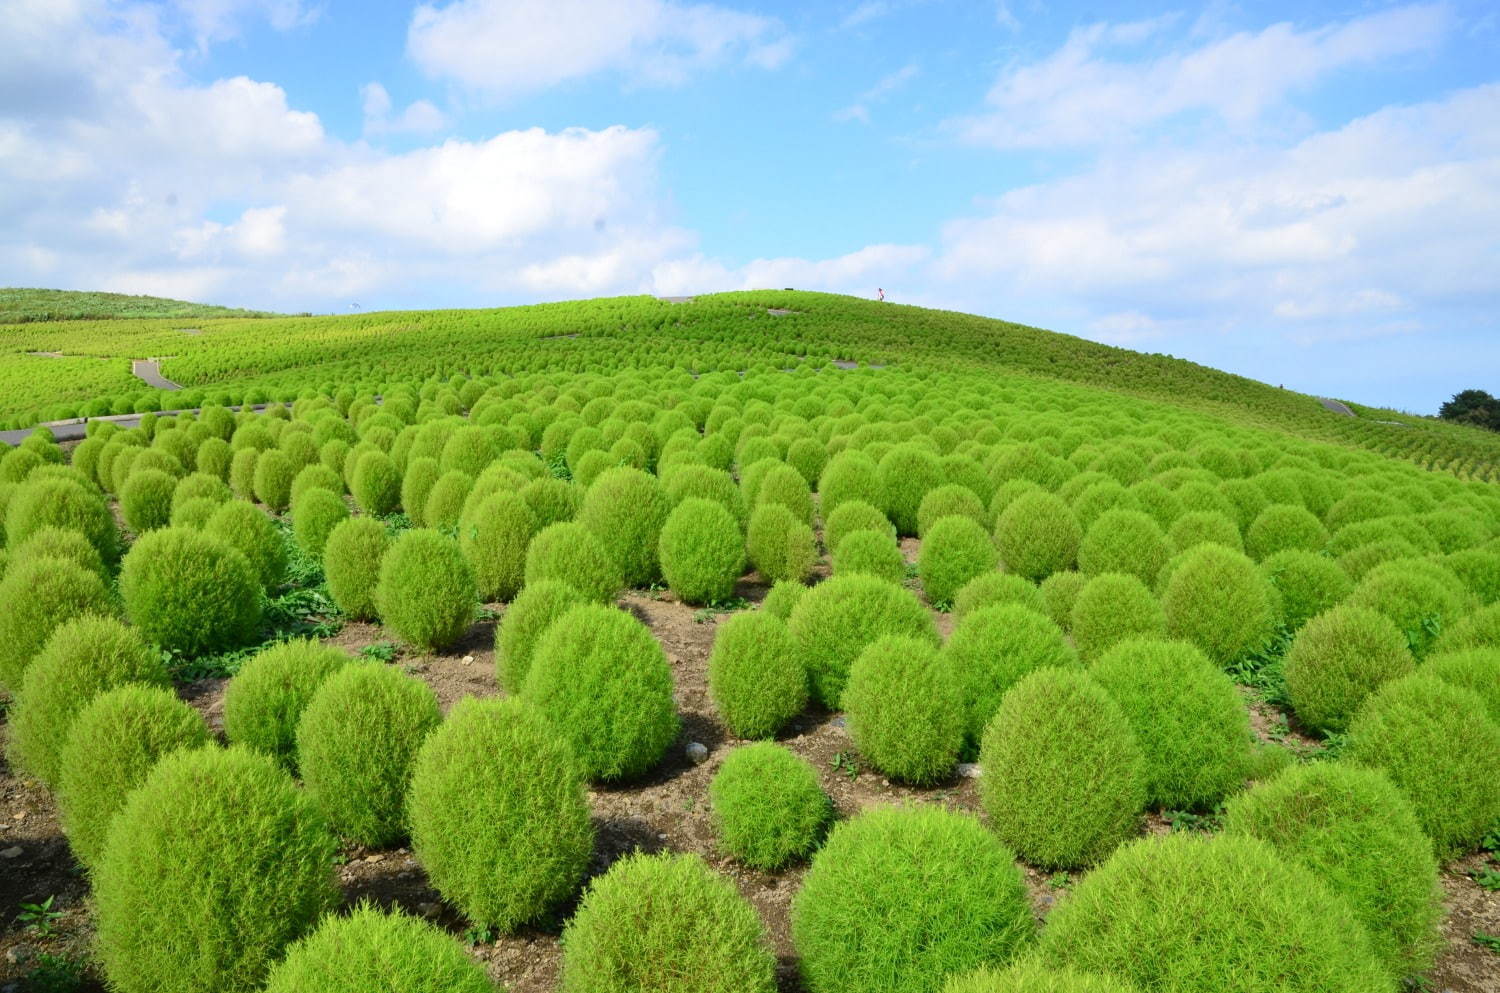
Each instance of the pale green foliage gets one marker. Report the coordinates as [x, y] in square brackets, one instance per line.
[835, 620]
[1113, 606]
[265, 700]
[351, 564]
[851, 516]
[570, 553]
[425, 593]
[755, 675]
[247, 529]
[521, 627]
[1477, 669]
[1339, 658]
[871, 553]
[905, 710]
[768, 806]
[779, 545]
[991, 588]
[315, 513]
[494, 542]
[701, 551]
[1306, 583]
[991, 649]
[955, 549]
[1218, 600]
[371, 951]
[1124, 540]
[626, 508]
[190, 592]
[1037, 535]
[1284, 527]
[1030, 976]
[40, 594]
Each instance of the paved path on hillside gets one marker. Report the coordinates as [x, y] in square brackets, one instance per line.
[1336, 407]
[148, 371]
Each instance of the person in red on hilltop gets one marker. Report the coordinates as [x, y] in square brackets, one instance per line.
[881, 292]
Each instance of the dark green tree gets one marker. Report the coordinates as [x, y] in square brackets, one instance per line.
[1474, 407]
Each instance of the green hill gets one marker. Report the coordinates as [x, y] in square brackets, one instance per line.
[20, 305]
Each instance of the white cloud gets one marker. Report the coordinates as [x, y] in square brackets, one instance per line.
[883, 88]
[1088, 92]
[212, 21]
[419, 117]
[508, 47]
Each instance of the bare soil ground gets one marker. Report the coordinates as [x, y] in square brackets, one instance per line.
[667, 809]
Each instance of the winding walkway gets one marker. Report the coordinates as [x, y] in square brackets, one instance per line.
[148, 371]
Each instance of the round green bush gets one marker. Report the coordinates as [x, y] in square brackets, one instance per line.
[1183, 913]
[905, 710]
[356, 742]
[315, 513]
[214, 457]
[1306, 583]
[778, 545]
[274, 472]
[570, 553]
[199, 486]
[83, 658]
[110, 746]
[991, 649]
[849, 475]
[1419, 603]
[416, 486]
[768, 806]
[55, 543]
[1356, 832]
[469, 449]
[351, 564]
[783, 598]
[61, 503]
[370, 951]
[316, 477]
[1114, 606]
[1479, 571]
[665, 924]
[1284, 527]
[195, 513]
[701, 551]
[991, 588]
[190, 592]
[146, 500]
[376, 484]
[955, 550]
[837, 619]
[906, 474]
[521, 627]
[217, 849]
[425, 594]
[445, 502]
[552, 500]
[40, 595]
[604, 683]
[1218, 600]
[952, 498]
[1187, 717]
[1037, 535]
[784, 485]
[1127, 541]
[871, 553]
[1200, 527]
[1477, 670]
[852, 516]
[685, 481]
[1059, 593]
[1438, 745]
[808, 457]
[494, 542]
[1337, 660]
[897, 899]
[1030, 976]
[625, 509]
[1064, 780]
[250, 531]
[1480, 629]
[499, 817]
[265, 699]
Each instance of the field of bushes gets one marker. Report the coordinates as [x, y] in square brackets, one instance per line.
[772, 641]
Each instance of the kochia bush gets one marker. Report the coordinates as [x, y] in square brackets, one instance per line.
[836, 620]
[40, 595]
[871, 553]
[1338, 659]
[1218, 600]
[768, 806]
[779, 545]
[1114, 606]
[991, 649]
[1306, 583]
[426, 593]
[190, 592]
[626, 508]
[521, 627]
[701, 551]
[351, 564]
[494, 542]
[755, 675]
[373, 950]
[570, 553]
[247, 529]
[1127, 541]
[905, 710]
[146, 500]
[315, 513]
[954, 551]
[265, 699]
[1037, 535]
[991, 588]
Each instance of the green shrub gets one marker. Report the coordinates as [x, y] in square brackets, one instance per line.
[110, 746]
[1127, 541]
[906, 473]
[216, 850]
[1064, 780]
[768, 807]
[852, 516]
[991, 588]
[371, 951]
[425, 594]
[946, 500]
[494, 542]
[1306, 584]
[1218, 600]
[522, 625]
[551, 500]
[356, 742]
[1284, 527]
[1480, 629]
[214, 457]
[1338, 659]
[570, 553]
[195, 513]
[1037, 535]
[1477, 670]
[499, 817]
[40, 595]
[1479, 571]
[1355, 831]
[701, 551]
[265, 699]
[1030, 976]
[783, 598]
[1059, 593]
[146, 500]
[871, 553]
[51, 542]
[469, 449]
[905, 710]
[849, 475]
[315, 513]
[1438, 744]
[445, 502]
[899, 898]
[603, 682]
[249, 531]
[199, 486]
[687, 481]
[351, 564]
[61, 503]
[274, 472]
[1114, 606]
[955, 550]
[83, 658]
[991, 649]
[1187, 717]
[836, 620]
[1184, 913]
[778, 545]
[1204, 527]
[242, 473]
[376, 484]
[665, 924]
[416, 486]
[626, 508]
[316, 477]
[808, 457]
[784, 485]
[1420, 604]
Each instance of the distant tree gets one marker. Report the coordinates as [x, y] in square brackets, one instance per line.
[1474, 407]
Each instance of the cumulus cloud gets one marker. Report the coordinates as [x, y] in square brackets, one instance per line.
[419, 117]
[507, 47]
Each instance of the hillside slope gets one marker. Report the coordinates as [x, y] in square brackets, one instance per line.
[20, 305]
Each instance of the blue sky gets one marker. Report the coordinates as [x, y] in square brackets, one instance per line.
[1304, 193]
